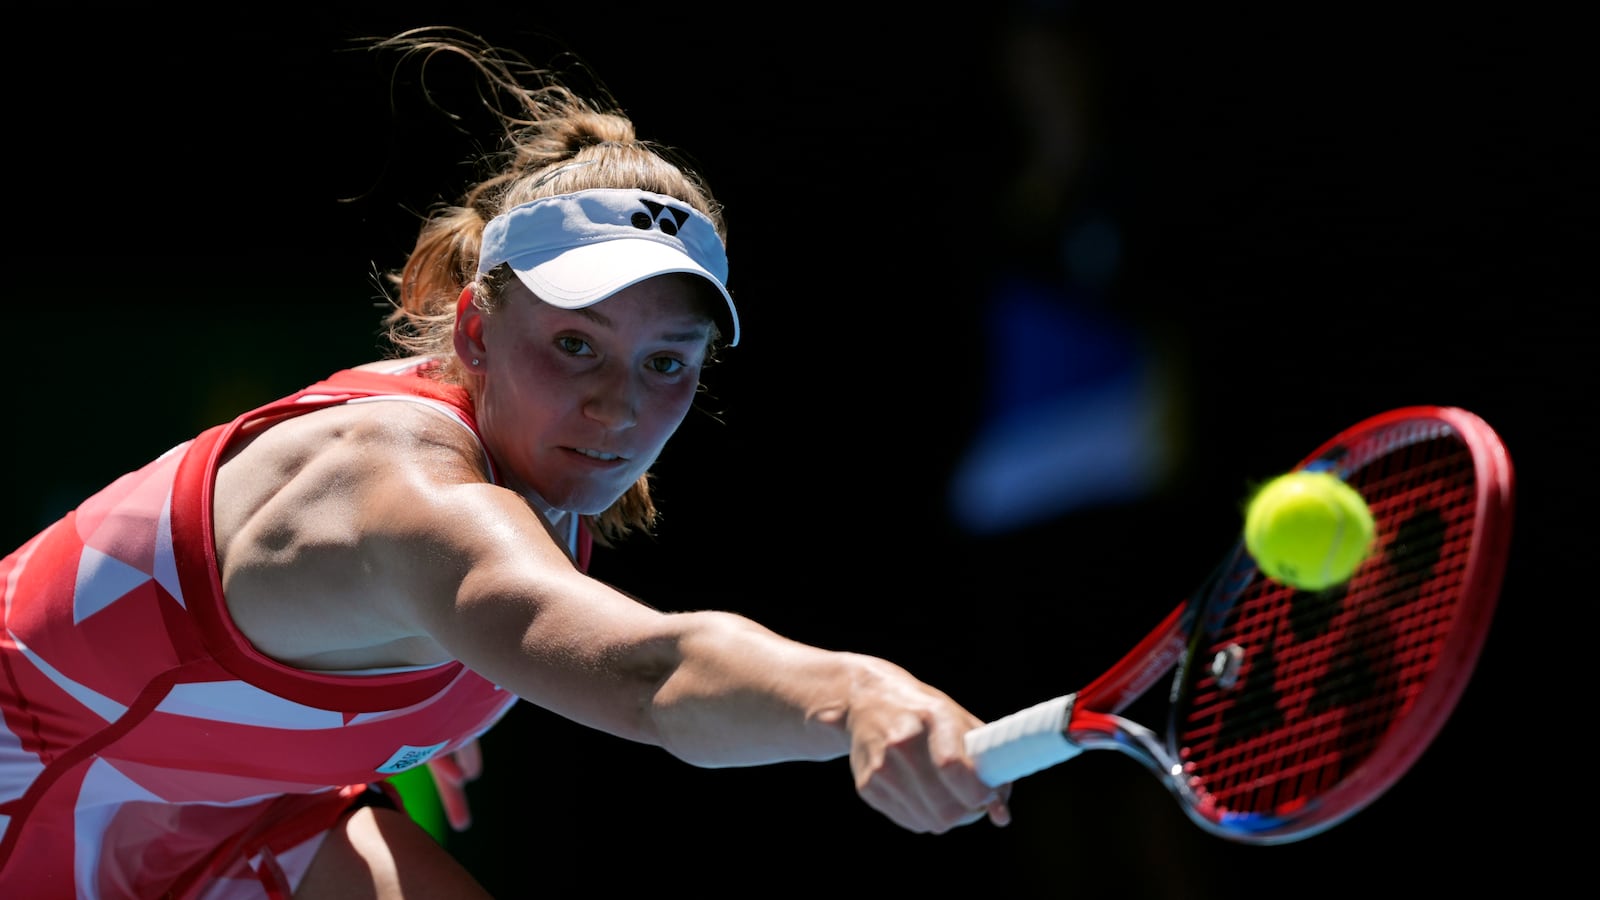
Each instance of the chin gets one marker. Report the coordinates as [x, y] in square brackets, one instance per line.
[594, 507]
[587, 503]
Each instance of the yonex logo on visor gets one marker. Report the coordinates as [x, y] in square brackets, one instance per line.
[669, 225]
[575, 250]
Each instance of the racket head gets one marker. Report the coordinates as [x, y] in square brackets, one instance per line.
[1294, 710]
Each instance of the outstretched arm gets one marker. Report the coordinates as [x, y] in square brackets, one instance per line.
[712, 688]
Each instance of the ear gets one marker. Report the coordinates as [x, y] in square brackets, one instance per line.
[469, 333]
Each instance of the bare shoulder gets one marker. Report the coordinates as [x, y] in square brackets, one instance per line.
[357, 450]
[391, 365]
[320, 520]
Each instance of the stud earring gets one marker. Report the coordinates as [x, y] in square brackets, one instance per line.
[475, 362]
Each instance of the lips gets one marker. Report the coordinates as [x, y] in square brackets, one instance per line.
[596, 454]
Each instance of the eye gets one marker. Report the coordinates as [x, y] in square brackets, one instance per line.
[573, 346]
[666, 365]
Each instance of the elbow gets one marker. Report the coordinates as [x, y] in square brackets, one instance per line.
[688, 690]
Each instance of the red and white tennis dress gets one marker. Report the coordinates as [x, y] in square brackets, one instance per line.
[146, 748]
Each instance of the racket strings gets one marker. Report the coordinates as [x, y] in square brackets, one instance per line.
[1324, 677]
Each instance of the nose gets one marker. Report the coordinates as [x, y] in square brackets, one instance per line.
[613, 399]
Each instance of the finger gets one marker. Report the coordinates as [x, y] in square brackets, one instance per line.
[999, 811]
[448, 780]
[456, 811]
[470, 758]
[446, 768]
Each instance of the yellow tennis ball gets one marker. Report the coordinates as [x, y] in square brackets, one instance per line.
[1308, 530]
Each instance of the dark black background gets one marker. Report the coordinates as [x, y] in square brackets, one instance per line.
[1330, 215]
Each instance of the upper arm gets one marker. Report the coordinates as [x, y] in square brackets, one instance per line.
[494, 588]
[356, 536]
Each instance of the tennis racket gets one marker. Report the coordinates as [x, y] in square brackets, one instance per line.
[1290, 711]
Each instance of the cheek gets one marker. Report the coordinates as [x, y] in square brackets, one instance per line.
[671, 406]
[524, 400]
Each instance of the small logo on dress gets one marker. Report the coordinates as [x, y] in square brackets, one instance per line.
[408, 757]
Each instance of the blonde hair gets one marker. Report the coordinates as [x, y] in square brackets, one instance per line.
[553, 141]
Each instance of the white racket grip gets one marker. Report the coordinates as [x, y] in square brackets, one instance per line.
[1023, 742]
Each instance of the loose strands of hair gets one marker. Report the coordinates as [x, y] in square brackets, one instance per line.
[545, 126]
[553, 140]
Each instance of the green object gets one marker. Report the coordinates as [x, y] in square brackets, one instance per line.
[1309, 530]
[421, 798]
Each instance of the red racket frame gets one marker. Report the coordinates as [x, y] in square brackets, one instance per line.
[1181, 640]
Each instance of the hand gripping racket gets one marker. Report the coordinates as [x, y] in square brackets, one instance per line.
[1290, 711]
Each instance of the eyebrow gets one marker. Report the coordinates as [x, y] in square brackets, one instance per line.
[593, 315]
[697, 336]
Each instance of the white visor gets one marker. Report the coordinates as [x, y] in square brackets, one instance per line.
[577, 249]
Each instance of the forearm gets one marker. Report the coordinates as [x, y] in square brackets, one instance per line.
[716, 689]
[738, 694]
[712, 688]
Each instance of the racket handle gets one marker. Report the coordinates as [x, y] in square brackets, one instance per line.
[1023, 742]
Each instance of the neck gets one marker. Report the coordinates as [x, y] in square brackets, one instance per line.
[560, 520]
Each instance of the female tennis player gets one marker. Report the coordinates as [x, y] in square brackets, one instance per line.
[213, 665]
